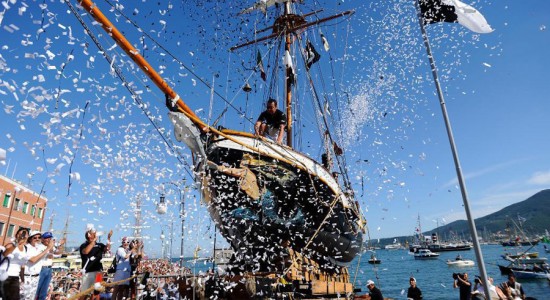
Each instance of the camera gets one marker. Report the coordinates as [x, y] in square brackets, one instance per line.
[477, 280]
[456, 275]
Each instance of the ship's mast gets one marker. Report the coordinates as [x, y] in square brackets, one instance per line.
[288, 82]
[65, 233]
[288, 24]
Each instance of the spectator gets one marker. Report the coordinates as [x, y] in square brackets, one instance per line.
[465, 286]
[91, 253]
[11, 286]
[375, 293]
[123, 270]
[515, 287]
[46, 271]
[414, 292]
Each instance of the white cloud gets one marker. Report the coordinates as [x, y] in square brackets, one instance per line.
[479, 173]
[540, 178]
[481, 207]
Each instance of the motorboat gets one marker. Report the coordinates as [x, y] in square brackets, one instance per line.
[526, 259]
[531, 274]
[425, 254]
[506, 270]
[459, 262]
[520, 255]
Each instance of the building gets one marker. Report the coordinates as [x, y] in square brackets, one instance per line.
[20, 207]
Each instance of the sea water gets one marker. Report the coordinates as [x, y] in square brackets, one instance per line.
[433, 277]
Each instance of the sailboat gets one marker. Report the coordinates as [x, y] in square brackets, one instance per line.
[268, 198]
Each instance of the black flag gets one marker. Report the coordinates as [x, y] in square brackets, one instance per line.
[434, 11]
[312, 56]
[453, 11]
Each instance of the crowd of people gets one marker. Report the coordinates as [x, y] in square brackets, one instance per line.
[509, 290]
[26, 270]
[25, 265]
[26, 273]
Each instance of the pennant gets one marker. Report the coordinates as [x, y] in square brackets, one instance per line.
[260, 65]
[312, 56]
[287, 60]
[2, 156]
[454, 11]
[325, 42]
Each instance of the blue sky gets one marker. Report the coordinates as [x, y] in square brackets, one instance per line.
[496, 89]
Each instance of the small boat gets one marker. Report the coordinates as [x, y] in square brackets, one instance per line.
[459, 262]
[531, 275]
[505, 270]
[546, 249]
[519, 243]
[526, 260]
[373, 260]
[519, 255]
[424, 254]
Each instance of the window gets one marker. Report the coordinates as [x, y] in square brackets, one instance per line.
[6, 202]
[40, 212]
[1, 228]
[16, 204]
[25, 207]
[33, 210]
[10, 230]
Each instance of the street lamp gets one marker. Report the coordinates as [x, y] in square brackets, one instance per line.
[162, 201]
[161, 206]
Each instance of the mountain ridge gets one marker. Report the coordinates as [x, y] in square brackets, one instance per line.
[534, 210]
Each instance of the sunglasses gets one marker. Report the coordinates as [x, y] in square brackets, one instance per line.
[36, 238]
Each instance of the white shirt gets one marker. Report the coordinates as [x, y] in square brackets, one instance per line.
[32, 251]
[19, 259]
[48, 259]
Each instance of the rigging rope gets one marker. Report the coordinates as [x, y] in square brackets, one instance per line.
[210, 86]
[139, 102]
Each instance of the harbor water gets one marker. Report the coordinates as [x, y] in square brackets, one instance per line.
[433, 277]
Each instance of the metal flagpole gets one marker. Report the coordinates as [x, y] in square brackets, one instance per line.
[471, 222]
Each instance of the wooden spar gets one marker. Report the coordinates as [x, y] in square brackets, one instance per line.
[305, 15]
[134, 54]
[348, 12]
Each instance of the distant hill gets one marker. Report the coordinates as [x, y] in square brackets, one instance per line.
[535, 210]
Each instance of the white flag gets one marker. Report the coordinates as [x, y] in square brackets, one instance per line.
[2, 156]
[454, 11]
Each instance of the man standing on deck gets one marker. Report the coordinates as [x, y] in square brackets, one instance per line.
[91, 253]
[271, 122]
[375, 293]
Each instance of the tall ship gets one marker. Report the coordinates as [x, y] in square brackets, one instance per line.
[434, 244]
[287, 217]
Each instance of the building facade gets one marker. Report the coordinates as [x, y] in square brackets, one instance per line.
[20, 207]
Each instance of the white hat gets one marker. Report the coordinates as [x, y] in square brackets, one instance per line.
[35, 232]
[369, 282]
